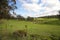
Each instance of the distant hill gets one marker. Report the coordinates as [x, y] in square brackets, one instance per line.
[51, 16]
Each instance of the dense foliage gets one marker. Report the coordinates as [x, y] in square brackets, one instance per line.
[6, 6]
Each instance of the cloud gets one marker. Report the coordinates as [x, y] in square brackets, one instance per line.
[32, 7]
[35, 1]
[44, 6]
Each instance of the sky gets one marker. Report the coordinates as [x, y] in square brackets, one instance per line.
[37, 8]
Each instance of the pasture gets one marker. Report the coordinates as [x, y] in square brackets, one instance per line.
[45, 28]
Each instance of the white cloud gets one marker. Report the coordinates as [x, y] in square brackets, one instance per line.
[35, 1]
[47, 5]
[32, 7]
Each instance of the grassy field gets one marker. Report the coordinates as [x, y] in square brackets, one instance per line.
[49, 27]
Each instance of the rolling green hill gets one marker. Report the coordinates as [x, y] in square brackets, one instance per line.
[44, 29]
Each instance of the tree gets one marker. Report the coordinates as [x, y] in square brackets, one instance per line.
[19, 17]
[30, 18]
[6, 6]
[59, 15]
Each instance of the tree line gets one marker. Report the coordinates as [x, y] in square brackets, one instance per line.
[19, 17]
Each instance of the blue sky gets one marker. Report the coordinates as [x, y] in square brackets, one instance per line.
[36, 8]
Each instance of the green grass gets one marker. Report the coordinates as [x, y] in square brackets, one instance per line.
[41, 29]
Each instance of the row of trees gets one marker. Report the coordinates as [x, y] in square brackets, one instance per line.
[52, 16]
[19, 17]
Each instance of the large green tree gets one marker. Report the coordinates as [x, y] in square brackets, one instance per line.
[6, 6]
